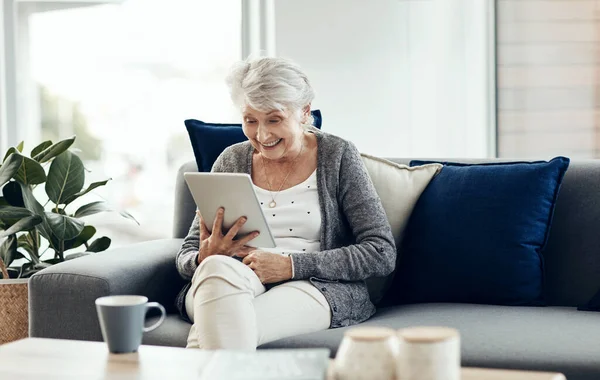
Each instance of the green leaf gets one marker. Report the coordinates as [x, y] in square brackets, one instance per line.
[92, 208]
[30, 172]
[12, 214]
[8, 250]
[59, 210]
[99, 206]
[30, 202]
[76, 255]
[86, 234]
[28, 273]
[40, 148]
[35, 207]
[64, 227]
[22, 225]
[19, 255]
[12, 194]
[9, 169]
[65, 177]
[4, 202]
[41, 265]
[54, 150]
[28, 270]
[24, 242]
[8, 153]
[13, 272]
[20, 146]
[99, 245]
[127, 215]
[52, 261]
[83, 192]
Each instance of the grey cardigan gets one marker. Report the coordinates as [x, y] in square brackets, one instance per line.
[356, 238]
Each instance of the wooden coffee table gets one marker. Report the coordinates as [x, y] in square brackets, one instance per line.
[35, 358]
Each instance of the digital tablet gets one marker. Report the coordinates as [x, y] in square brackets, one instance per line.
[235, 193]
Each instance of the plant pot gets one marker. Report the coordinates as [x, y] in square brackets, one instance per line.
[14, 314]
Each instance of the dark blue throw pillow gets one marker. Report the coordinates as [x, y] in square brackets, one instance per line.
[477, 232]
[210, 139]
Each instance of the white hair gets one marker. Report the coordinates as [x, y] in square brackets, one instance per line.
[267, 84]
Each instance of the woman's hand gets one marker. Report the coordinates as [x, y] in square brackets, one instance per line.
[269, 267]
[217, 243]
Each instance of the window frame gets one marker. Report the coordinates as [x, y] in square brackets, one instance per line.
[19, 108]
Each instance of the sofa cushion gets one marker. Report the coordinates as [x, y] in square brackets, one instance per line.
[399, 187]
[477, 232]
[557, 339]
[210, 139]
[172, 332]
[513, 337]
[592, 305]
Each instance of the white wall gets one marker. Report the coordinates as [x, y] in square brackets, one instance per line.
[6, 7]
[3, 135]
[398, 78]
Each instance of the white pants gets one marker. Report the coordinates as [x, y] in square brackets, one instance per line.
[231, 309]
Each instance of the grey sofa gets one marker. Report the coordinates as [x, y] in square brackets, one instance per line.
[554, 338]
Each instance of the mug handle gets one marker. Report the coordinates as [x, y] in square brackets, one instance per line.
[163, 312]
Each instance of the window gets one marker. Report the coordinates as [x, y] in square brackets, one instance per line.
[123, 78]
[398, 78]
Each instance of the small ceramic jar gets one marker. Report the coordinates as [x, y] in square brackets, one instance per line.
[367, 353]
[429, 353]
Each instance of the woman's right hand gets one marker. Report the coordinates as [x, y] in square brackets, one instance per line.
[217, 243]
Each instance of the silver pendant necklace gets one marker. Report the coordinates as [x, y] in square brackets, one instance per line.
[273, 204]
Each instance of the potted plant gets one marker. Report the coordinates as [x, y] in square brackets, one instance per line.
[39, 222]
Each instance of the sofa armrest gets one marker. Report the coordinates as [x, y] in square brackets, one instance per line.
[62, 297]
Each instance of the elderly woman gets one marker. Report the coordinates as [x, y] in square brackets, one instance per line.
[328, 223]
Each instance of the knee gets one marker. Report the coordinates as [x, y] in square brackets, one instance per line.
[217, 266]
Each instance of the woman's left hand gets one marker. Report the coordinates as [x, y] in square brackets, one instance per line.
[269, 267]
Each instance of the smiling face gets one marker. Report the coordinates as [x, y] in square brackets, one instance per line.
[277, 135]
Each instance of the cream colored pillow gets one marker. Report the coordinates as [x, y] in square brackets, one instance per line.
[399, 187]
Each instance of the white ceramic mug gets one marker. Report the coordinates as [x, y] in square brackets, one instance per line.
[429, 353]
[367, 353]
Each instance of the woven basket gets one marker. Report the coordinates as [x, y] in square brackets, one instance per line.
[14, 315]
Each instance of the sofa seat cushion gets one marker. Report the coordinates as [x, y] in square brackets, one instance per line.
[532, 338]
[173, 332]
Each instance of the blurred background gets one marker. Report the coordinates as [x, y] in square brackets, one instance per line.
[400, 78]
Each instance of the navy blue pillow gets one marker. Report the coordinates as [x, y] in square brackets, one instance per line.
[477, 232]
[210, 139]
